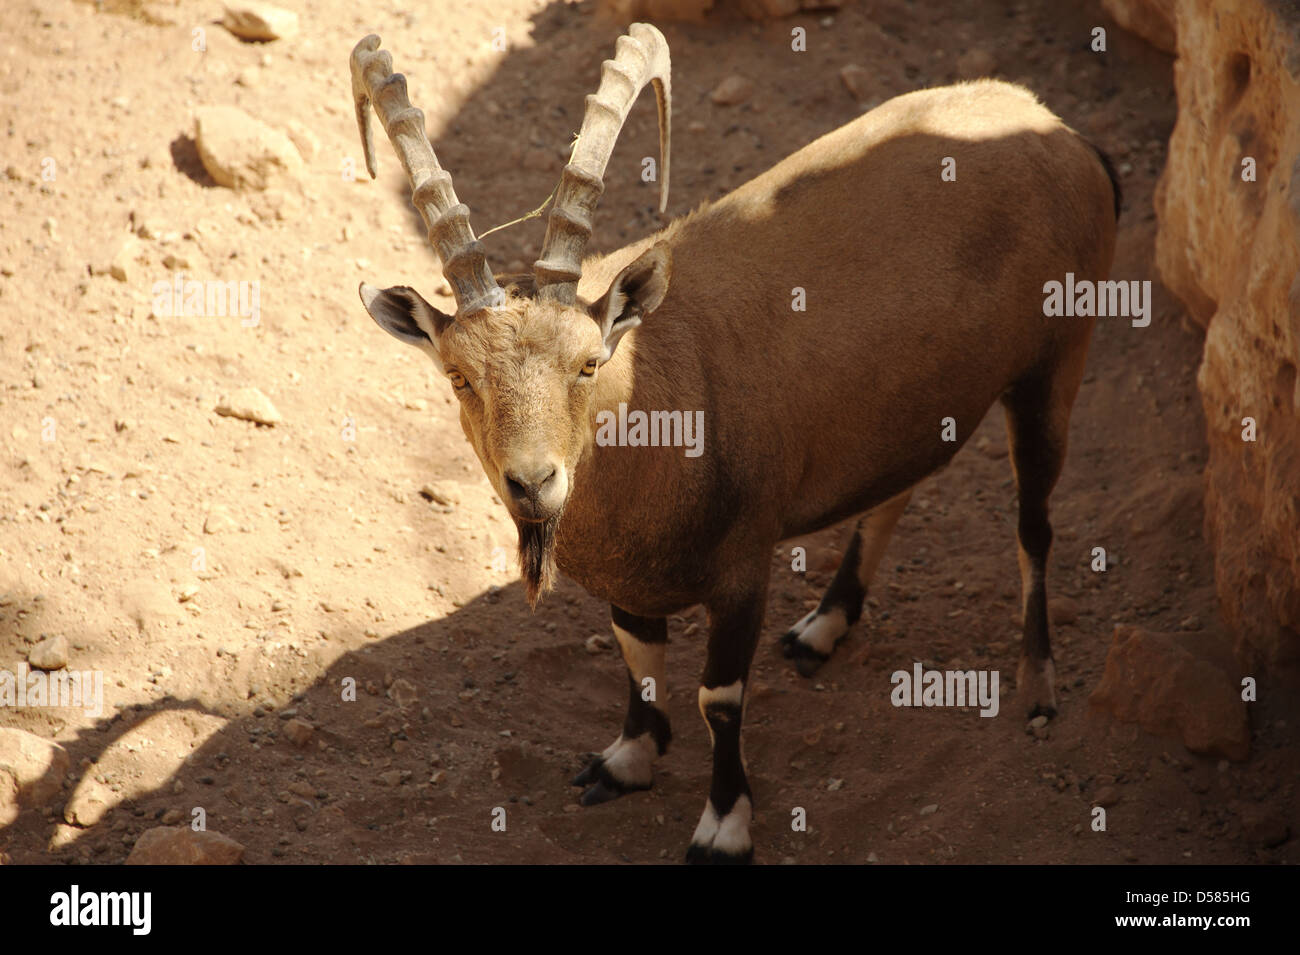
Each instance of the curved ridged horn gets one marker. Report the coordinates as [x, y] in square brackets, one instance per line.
[641, 57]
[447, 218]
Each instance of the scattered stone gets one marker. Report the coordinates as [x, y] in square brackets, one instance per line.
[1037, 722]
[251, 20]
[171, 817]
[188, 593]
[31, 772]
[976, 63]
[929, 810]
[299, 732]
[857, 80]
[1106, 797]
[183, 846]
[404, 692]
[1172, 685]
[250, 405]
[446, 493]
[834, 785]
[49, 654]
[732, 91]
[240, 152]
[1062, 610]
[598, 643]
[219, 521]
[117, 258]
[392, 777]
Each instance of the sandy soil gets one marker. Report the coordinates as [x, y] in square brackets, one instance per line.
[328, 564]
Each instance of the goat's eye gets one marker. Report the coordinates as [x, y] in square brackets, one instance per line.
[589, 368]
[457, 380]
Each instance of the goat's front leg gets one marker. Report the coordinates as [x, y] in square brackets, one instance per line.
[723, 833]
[627, 763]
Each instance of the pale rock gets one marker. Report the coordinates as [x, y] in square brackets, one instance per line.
[857, 80]
[732, 91]
[49, 654]
[219, 521]
[249, 404]
[251, 20]
[446, 493]
[241, 152]
[404, 692]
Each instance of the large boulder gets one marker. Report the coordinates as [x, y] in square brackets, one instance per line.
[1229, 247]
[1174, 685]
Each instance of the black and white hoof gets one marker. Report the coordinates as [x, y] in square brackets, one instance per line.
[810, 642]
[723, 840]
[625, 767]
[1036, 687]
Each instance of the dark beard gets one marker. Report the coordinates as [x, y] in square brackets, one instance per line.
[537, 557]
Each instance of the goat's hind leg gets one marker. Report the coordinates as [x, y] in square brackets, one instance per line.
[810, 641]
[626, 765]
[1038, 422]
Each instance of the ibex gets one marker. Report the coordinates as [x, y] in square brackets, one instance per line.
[924, 301]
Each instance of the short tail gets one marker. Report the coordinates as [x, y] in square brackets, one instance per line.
[1113, 176]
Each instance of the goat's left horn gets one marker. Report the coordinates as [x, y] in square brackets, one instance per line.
[463, 260]
[641, 57]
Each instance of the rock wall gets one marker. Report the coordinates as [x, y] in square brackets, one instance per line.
[1231, 250]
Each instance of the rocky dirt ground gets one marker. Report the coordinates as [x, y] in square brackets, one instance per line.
[227, 577]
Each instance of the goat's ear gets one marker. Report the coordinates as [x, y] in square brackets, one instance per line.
[636, 292]
[404, 314]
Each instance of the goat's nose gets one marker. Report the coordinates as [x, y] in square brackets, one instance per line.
[529, 483]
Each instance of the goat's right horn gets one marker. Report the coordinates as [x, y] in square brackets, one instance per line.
[446, 217]
[641, 58]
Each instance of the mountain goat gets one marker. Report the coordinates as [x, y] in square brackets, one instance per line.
[924, 302]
